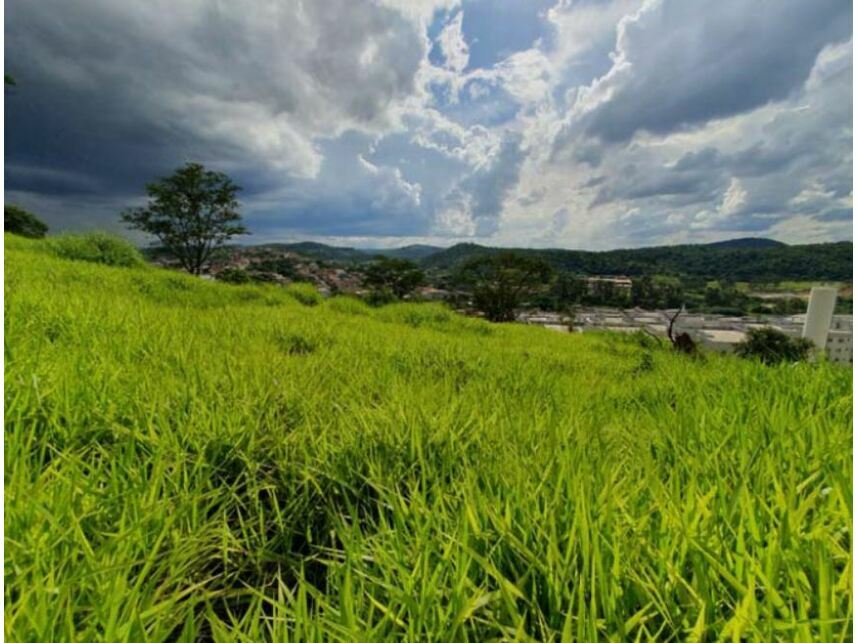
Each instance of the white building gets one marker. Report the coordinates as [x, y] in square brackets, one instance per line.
[840, 340]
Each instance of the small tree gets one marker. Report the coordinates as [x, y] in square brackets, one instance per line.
[772, 346]
[501, 281]
[398, 276]
[19, 221]
[191, 212]
[568, 290]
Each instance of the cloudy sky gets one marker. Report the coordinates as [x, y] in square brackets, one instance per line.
[569, 123]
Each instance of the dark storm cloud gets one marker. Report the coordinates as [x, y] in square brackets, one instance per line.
[685, 62]
[111, 95]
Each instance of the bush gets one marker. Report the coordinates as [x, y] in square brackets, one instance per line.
[771, 346]
[380, 297]
[19, 221]
[304, 293]
[98, 247]
[233, 276]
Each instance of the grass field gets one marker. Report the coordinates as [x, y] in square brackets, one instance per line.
[196, 461]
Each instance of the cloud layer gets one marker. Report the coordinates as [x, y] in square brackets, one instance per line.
[580, 123]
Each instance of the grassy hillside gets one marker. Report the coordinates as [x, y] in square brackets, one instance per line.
[188, 460]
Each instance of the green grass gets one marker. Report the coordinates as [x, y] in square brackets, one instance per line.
[188, 460]
[97, 247]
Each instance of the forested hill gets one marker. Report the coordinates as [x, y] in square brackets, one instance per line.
[747, 259]
[746, 242]
[738, 262]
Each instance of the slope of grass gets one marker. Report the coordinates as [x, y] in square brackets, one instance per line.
[188, 460]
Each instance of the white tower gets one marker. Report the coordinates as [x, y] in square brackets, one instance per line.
[818, 315]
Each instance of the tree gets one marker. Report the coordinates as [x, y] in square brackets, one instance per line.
[191, 212]
[568, 290]
[604, 293]
[643, 292]
[19, 221]
[771, 346]
[9, 79]
[500, 282]
[398, 276]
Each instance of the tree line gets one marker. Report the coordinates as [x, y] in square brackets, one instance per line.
[816, 262]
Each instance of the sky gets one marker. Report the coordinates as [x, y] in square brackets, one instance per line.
[591, 124]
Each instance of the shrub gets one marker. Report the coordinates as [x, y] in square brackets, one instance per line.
[233, 276]
[264, 277]
[98, 247]
[19, 221]
[304, 293]
[380, 297]
[771, 346]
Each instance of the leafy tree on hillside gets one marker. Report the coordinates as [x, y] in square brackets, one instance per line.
[191, 212]
[568, 290]
[398, 276]
[605, 293]
[771, 346]
[656, 292]
[501, 281]
[19, 221]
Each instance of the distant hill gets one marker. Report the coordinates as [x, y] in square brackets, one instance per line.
[745, 259]
[738, 260]
[747, 242]
[416, 252]
[320, 251]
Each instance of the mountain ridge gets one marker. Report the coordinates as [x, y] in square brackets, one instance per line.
[741, 259]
